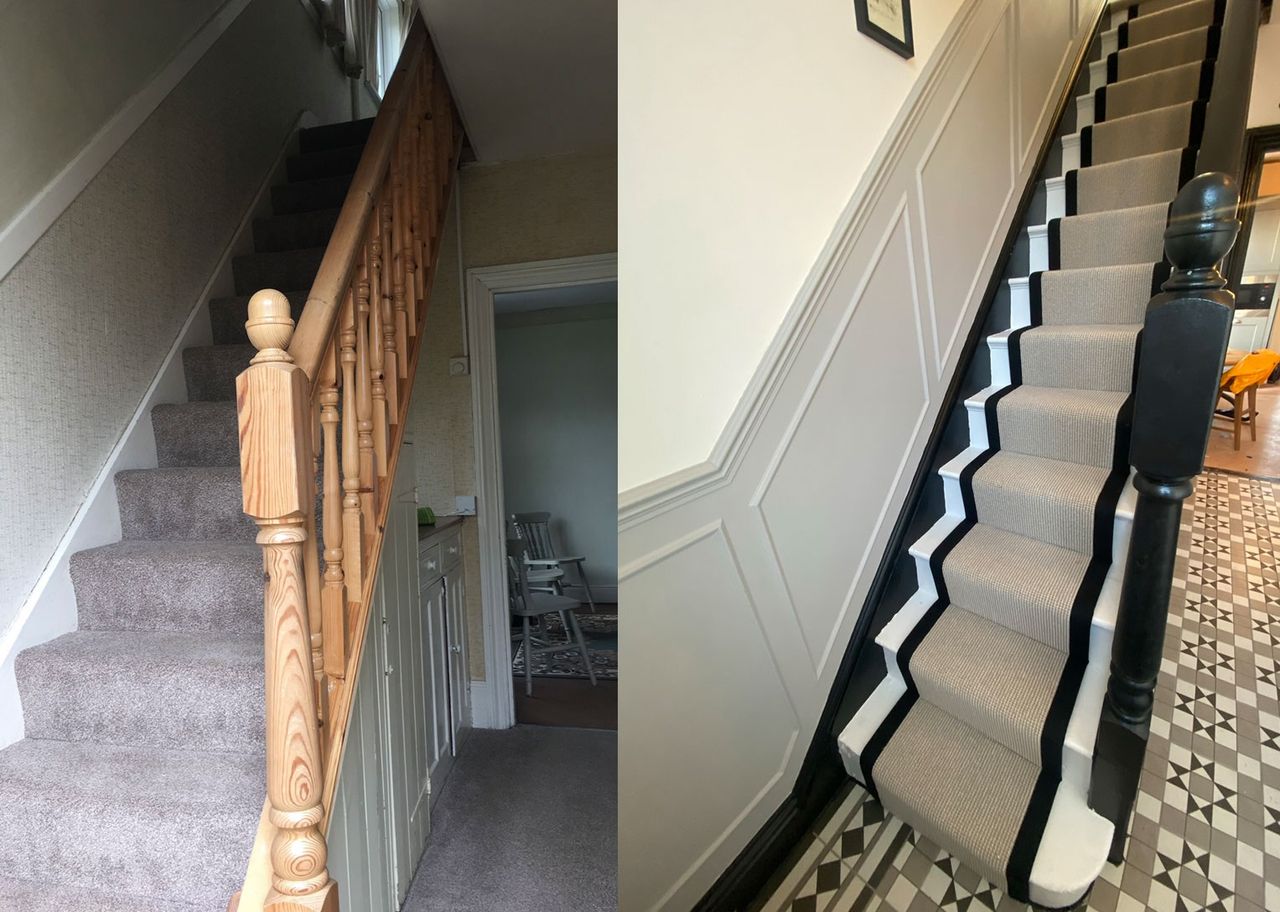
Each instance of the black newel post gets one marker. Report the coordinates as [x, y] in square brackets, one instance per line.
[1183, 345]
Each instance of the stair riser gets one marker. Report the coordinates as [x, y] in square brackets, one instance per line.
[211, 372]
[203, 708]
[323, 163]
[228, 315]
[309, 196]
[214, 591]
[196, 436]
[287, 269]
[97, 845]
[294, 232]
[156, 507]
[334, 136]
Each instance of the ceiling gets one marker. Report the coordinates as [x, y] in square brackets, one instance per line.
[531, 78]
[547, 298]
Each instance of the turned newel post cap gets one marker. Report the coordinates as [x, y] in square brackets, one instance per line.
[1202, 225]
[270, 325]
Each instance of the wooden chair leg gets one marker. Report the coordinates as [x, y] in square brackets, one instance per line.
[1236, 409]
[582, 647]
[528, 659]
[1253, 412]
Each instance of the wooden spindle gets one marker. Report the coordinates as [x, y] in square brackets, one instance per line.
[311, 564]
[273, 401]
[364, 413]
[377, 384]
[333, 596]
[402, 274]
[413, 232]
[352, 516]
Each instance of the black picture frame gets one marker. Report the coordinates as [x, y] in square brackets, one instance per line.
[903, 48]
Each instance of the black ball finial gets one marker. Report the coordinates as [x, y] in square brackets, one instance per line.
[1202, 227]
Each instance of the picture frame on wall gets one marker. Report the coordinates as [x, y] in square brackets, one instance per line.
[888, 22]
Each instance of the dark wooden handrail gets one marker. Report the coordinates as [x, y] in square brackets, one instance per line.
[1223, 141]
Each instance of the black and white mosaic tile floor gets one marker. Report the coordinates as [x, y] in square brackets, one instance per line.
[1206, 828]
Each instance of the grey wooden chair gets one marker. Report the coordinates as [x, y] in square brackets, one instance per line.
[545, 555]
[526, 604]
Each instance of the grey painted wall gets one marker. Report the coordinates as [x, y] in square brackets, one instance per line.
[90, 312]
[558, 415]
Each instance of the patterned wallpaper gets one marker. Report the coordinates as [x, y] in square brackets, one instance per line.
[515, 212]
[88, 315]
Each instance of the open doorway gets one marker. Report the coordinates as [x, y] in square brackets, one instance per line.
[1251, 445]
[544, 359]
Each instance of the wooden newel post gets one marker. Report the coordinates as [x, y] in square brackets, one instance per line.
[1182, 348]
[272, 397]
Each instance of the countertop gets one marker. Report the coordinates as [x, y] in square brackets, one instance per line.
[443, 524]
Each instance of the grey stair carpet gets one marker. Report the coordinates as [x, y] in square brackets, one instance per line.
[141, 778]
[972, 753]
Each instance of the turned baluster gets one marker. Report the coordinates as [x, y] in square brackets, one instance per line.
[364, 412]
[352, 517]
[311, 563]
[403, 279]
[333, 596]
[413, 230]
[430, 148]
[389, 343]
[273, 401]
[377, 384]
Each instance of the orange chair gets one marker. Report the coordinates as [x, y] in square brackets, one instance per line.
[1239, 387]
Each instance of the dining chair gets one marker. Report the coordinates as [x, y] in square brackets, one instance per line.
[526, 604]
[545, 553]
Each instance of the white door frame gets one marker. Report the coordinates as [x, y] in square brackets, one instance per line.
[493, 700]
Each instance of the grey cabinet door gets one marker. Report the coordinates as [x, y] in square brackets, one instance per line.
[435, 714]
[459, 674]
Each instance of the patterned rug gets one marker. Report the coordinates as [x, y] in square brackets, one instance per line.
[601, 631]
[1206, 827]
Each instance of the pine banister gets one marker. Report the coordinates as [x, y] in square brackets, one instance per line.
[322, 410]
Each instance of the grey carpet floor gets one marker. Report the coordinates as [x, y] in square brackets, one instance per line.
[527, 821]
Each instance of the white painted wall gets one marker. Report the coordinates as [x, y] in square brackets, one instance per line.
[558, 411]
[745, 127]
[761, 566]
[1264, 101]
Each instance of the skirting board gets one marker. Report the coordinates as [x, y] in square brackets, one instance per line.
[481, 705]
[49, 610]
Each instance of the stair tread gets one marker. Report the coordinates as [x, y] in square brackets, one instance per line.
[969, 797]
[32, 896]
[1071, 424]
[170, 585]
[1047, 499]
[994, 679]
[196, 433]
[1087, 356]
[132, 804]
[1035, 602]
[204, 689]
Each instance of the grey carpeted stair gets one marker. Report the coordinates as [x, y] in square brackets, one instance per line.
[193, 503]
[211, 370]
[141, 779]
[290, 268]
[170, 585]
[227, 316]
[196, 434]
[969, 736]
[200, 689]
[154, 823]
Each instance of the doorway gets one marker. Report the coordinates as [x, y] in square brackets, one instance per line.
[543, 340]
[1253, 270]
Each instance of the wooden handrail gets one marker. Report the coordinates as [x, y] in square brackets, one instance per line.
[322, 410]
[316, 325]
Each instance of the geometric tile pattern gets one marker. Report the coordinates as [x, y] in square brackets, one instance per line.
[1206, 828]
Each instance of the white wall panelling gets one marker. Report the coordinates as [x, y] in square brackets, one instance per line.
[761, 558]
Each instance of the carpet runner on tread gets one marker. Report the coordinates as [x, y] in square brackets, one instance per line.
[142, 776]
[980, 736]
